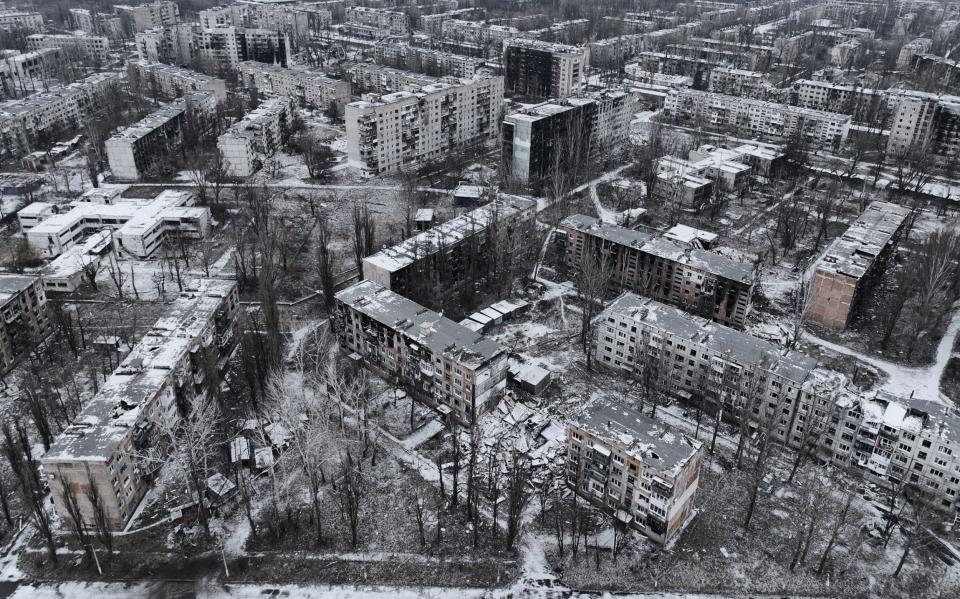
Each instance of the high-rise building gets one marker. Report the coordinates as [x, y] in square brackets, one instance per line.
[386, 134]
[159, 13]
[543, 69]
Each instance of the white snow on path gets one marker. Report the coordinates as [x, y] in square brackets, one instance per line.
[605, 214]
[906, 381]
[423, 434]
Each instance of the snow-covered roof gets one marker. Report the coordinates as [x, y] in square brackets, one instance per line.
[853, 253]
[664, 247]
[442, 336]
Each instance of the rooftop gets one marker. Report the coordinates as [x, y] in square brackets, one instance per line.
[852, 254]
[106, 420]
[439, 334]
[447, 234]
[12, 285]
[649, 441]
[722, 342]
[663, 247]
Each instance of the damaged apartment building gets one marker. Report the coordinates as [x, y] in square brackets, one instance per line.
[703, 281]
[446, 365]
[255, 138]
[23, 305]
[433, 265]
[116, 443]
[564, 137]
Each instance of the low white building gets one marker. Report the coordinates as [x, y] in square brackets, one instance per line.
[65, 273]
[139, 226]
[256, 137]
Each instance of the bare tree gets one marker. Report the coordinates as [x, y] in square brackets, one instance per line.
[364, 234]
[518, 496]
[592, 281]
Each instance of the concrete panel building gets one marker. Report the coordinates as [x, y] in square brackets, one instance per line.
[110, 441]
[256, 137]
[395, 21]
[159, 13]
[926, 124]
[23, 74]
[90, 49]
[442, 363]
[435, 63]
[386, 134]
[756, 118]
[20, 20]
[134, 151]
[174, 82]
[852, 262]
[412, 267]
[700, 281]
[25, 321]
[543, 69]
[34, 122]
[306, 87]
[634, 468]
[174, 44]
[540, 139]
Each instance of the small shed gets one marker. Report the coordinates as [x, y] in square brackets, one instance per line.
[424, 219]
[467, 195]
[529, 377]
[263, 458]
[220, 489]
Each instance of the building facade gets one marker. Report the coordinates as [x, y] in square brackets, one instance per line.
[395, 21]
[401, 130]
[852, 262]
[256, 137]
[435, 63]
[306, 87]
[444, 364]
[90, 49]
[543, 69]
[701, 281]
[174, 82]
[16, 20]
[23, 74]
[160, 13]
[116, 444]
[23, 305]
[634, 469]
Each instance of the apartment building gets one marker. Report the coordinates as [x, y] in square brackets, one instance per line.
[698, 69]
[481, 34]
[395, 21]
[635, 73]
[756, 118]
[704, 363]
[926, 123]
[436, 63]
[306, 87]
[261, 132]
[740, 82]
[160, 13]
[543, 69]
[701, 281]
[897, 441]
[173, 82]
[852, 262]
[634, 468]
[614, 51]
[221, 50]
[921, 45]
[174, 44]
[23, 305]
[382, 80]
[136, 150]
[90, 49]
[17, 20]
[751, 57]
[29, 124]
[289, 19]
[845, 54]
[388, 133]
[140, 226]
[23, 74]
[541, 139]
[433, 23]
[444, 364]
[116, 443]
[82, 19]
[570, 32]
[864, 104]
[413, 267]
